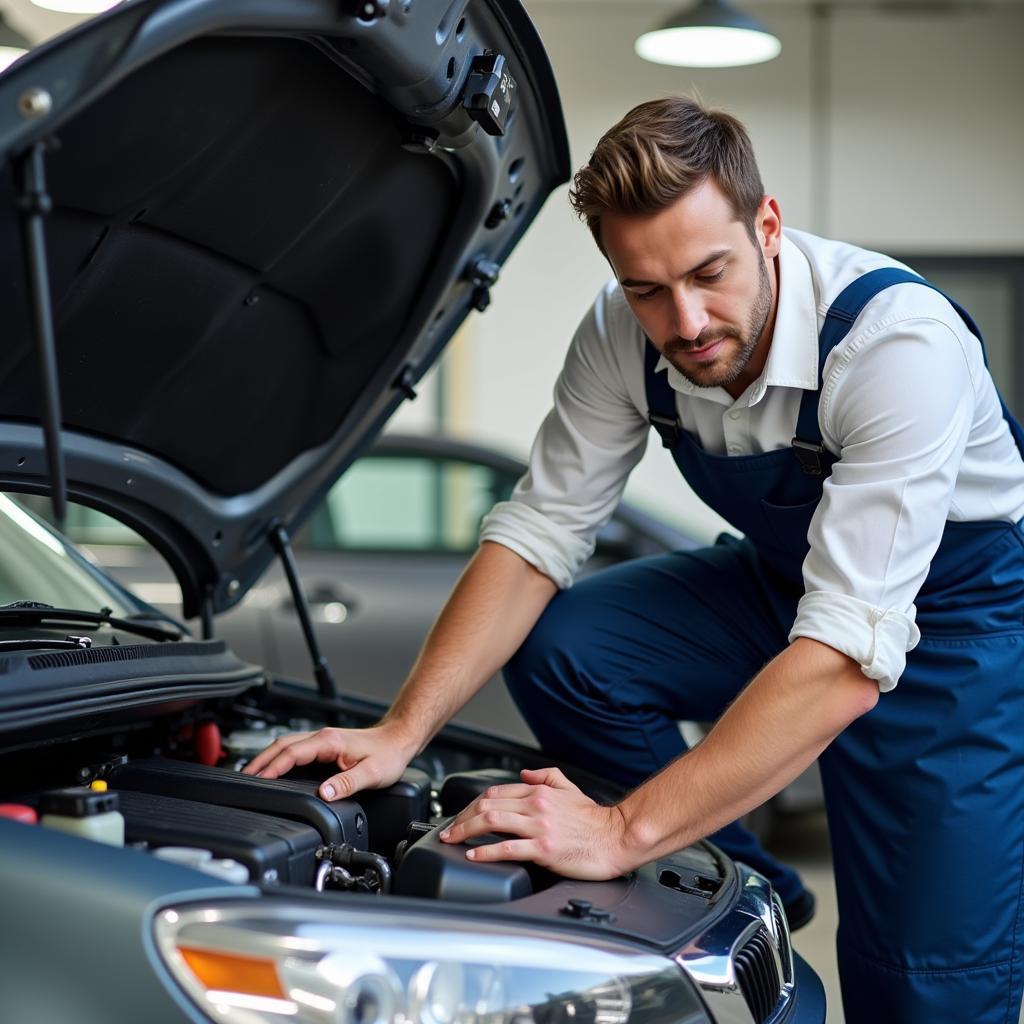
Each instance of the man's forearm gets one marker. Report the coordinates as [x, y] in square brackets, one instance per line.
[776, 727]
[492, 609]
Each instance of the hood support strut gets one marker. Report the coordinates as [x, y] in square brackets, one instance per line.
[35, 203]
[283, 546]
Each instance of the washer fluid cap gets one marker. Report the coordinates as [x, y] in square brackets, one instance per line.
[189, 856]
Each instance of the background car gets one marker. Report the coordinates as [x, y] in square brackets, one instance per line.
[378, 559]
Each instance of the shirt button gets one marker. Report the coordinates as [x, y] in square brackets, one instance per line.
[735, 414]
[735, 449]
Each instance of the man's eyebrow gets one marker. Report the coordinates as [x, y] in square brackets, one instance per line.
[630, 282]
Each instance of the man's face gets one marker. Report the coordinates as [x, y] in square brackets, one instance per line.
[703, 292]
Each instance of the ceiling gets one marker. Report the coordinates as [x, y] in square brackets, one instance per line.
[39, 24]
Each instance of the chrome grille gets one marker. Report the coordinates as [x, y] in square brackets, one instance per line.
[743, 962]
[758, 975]
[782, 931]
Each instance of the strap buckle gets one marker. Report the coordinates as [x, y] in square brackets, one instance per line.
[810, 455]
[667, 428]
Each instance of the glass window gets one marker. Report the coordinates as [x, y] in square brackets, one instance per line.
[36, 565]
[85, 525]
[408, 503]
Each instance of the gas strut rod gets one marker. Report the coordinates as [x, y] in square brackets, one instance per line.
[35, 204]
[206, 614]
[283, 545]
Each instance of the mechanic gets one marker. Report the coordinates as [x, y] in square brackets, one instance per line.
[838, 411]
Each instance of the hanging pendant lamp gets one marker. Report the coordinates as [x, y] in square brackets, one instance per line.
[712, 34]
[77, 6]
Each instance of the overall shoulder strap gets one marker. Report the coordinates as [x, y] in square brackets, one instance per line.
[661, 399]
[838, 321]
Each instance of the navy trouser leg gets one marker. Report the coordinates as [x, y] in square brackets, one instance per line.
[618, 658]
[926, 811]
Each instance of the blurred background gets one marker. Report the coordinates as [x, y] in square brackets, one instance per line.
[894, 125]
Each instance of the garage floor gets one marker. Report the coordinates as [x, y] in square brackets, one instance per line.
[802, 840]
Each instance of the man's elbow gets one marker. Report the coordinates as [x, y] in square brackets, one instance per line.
[866, 694]
[851, 693]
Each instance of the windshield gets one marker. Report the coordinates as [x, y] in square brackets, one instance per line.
[36, 564]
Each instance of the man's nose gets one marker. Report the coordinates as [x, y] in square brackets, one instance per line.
[690, 315]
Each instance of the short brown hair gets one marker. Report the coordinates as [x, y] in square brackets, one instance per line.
[658, 152]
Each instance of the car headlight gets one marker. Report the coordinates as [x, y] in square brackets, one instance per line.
[250, 963]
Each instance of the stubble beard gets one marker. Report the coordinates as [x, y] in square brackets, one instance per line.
[723, 370]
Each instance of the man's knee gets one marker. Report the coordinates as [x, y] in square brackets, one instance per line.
[535, 654]
[549, 656]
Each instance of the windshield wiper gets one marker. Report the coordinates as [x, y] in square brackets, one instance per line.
[37, 612]
[76, 643]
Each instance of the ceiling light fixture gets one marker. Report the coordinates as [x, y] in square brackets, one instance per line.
[77, 6]
[712, 34]
[12, 43]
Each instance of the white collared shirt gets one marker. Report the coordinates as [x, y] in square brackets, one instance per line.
[916, 424]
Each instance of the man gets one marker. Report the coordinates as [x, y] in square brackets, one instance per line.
[841, 416]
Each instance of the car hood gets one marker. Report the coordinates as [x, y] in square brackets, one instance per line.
[268, 219]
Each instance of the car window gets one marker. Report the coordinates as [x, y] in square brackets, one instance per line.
[85, 525]
[408, 503]
[36, 565]
[117, 549]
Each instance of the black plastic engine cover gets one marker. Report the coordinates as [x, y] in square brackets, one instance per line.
[388, 810]
[273, 849]
[461, 788]
[340, 822]
[440, 871]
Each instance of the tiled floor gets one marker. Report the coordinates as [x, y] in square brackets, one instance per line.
[802, 840]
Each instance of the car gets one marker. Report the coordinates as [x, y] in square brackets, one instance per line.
[247, 228]
[377, 560]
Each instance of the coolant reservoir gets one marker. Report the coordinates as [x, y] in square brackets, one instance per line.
[90, 813]
[225, 868]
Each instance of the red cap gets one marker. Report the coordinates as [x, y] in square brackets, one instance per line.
[207, 742]
[19, 812]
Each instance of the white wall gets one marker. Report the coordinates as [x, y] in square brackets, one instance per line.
[925, 152]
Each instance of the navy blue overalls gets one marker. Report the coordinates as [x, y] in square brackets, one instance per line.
[925, 794]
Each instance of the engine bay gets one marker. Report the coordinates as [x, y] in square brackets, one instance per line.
[173, 787]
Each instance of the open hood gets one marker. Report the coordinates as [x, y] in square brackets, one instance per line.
[268, 219]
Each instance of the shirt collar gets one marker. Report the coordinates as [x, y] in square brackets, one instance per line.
[793, 357]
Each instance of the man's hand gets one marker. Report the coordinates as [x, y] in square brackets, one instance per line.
[558, 827]
[368, 758]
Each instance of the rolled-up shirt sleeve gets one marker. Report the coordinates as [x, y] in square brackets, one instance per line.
[897, 405]
[585, 449]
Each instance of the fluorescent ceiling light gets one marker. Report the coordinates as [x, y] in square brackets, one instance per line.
[712, 34]
[12, 44]
[77, 6]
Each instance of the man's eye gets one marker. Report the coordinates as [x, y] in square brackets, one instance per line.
[711, 278]
[646, 295]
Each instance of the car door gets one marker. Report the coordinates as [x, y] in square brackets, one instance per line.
[377, 562]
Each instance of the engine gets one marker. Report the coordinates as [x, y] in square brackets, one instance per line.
[241, 828]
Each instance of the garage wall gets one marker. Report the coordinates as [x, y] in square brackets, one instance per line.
[906, 135]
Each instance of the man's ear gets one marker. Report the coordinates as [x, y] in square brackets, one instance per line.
[768, 227]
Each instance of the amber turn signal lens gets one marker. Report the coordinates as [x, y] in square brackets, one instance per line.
[227, 972]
